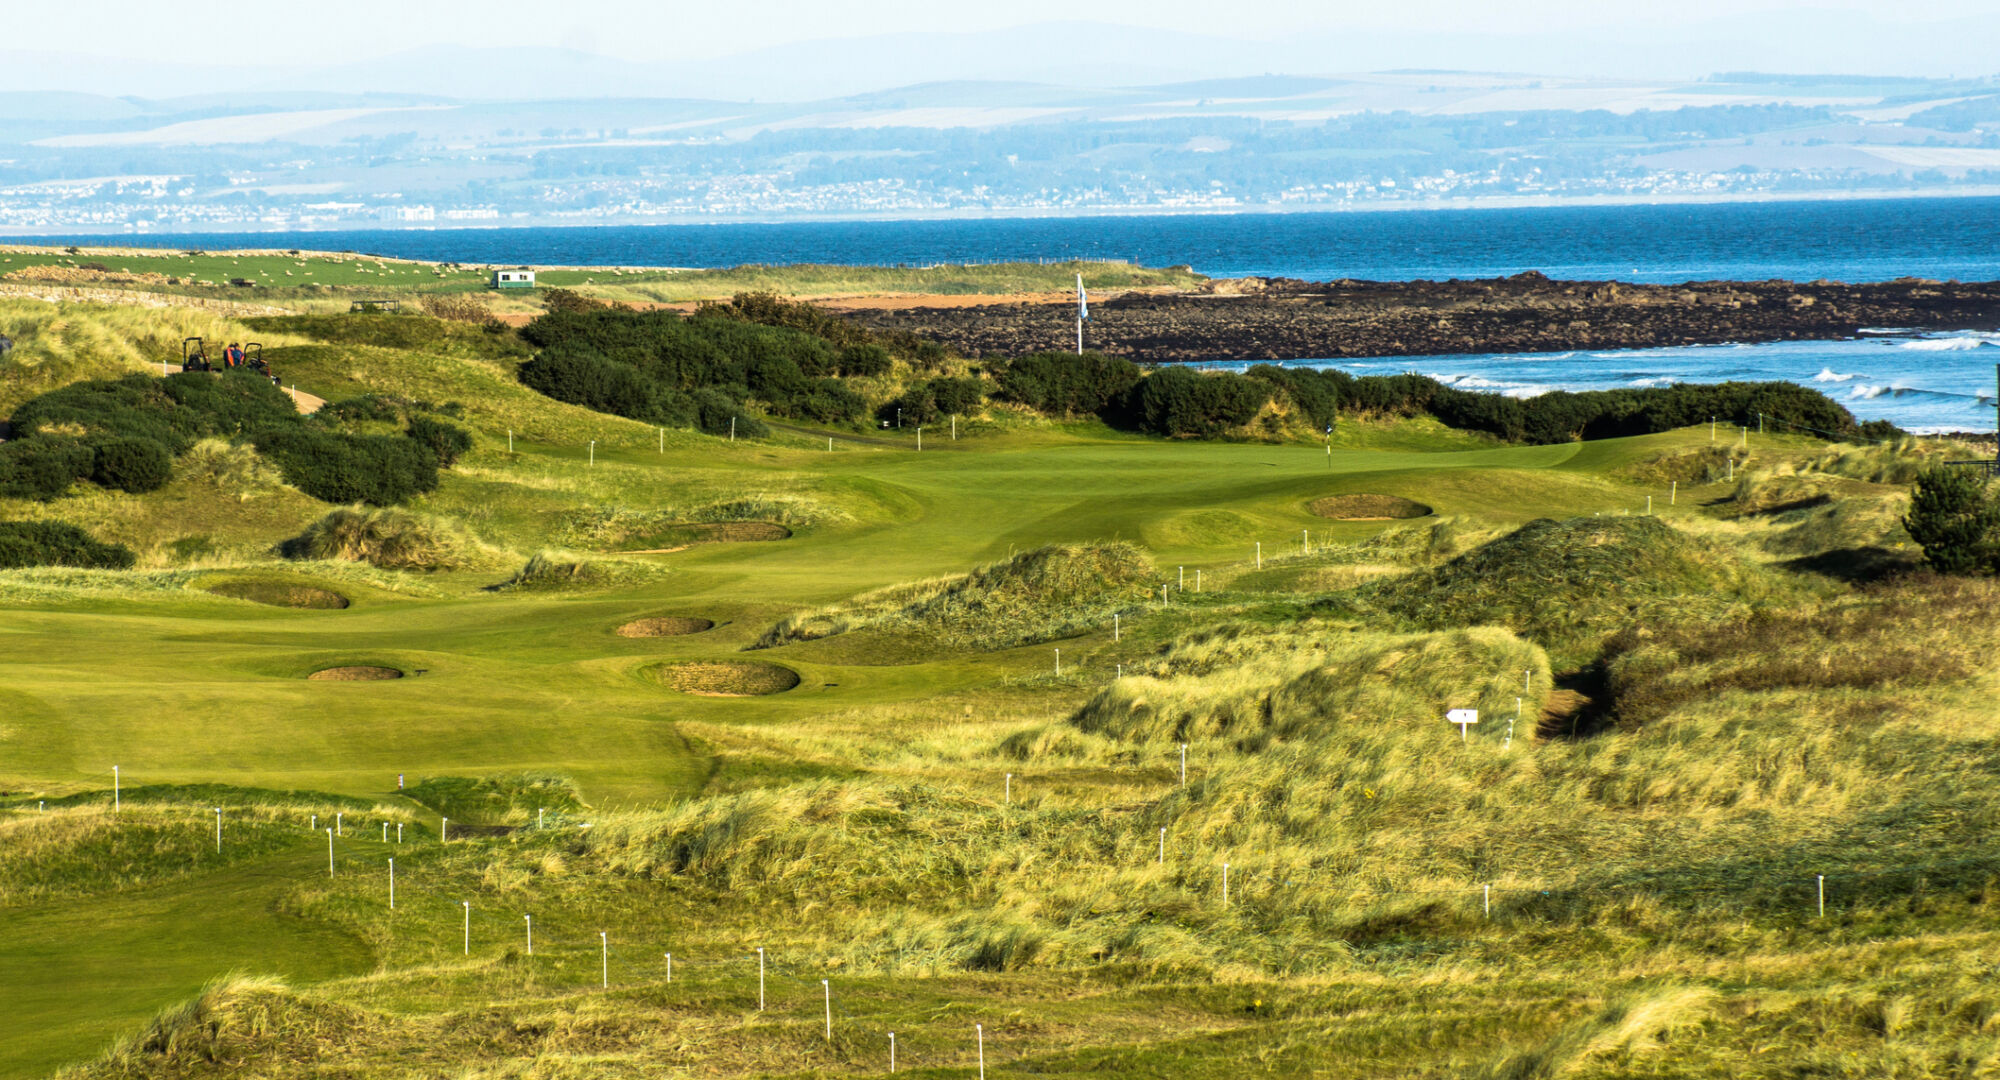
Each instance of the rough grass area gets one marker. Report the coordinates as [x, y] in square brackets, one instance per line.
[289, 594]
[1367, 508]
[1564, 582]
[497, 800]
[392, 539]
[1252, 684]
[1040, 595]
[665, 626]
[559, 570]
[356, 673]
[724, 678]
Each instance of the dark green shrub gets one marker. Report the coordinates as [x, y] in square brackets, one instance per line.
[1065, 384]
[1955, 521]
[865, 360]
[52, 543]
[381, 470]
[446, 442]
[1177, 401]
[42, 468]
[957, 396]
[715, 410]
[134, 465]
[827, 401]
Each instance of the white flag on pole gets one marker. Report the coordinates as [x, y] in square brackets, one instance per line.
[1082, 301]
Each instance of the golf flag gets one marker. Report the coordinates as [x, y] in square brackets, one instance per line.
[1082, 302]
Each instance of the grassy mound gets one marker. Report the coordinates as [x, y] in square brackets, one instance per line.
[665, 626]
[725, 678]
[496, 800]
[1040, 595]
[1252, 684]
[281, 594]
[1368, 508]
[568, 570]
[1701, 465]
[356, 673]
[1557, 581]
[392, 539]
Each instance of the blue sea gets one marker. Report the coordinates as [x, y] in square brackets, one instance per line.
[1923, 382]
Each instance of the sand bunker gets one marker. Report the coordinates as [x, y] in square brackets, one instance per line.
[665, 626]
[1368, 508]
[725, 678]
[355, 674]
[280, 594]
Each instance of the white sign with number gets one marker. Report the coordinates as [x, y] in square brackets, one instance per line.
[1464, 718]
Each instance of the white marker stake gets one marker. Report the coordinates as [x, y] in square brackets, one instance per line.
[663, 440]
[399, 832]
[392, 884]
[828, 989]
[670, 967]
[1674, 494]
[980, 1029]
[329, 853]
[1058, 663]
[829, 444]
[1822, 896]
[442, 822]
[1649, 506]
[468, 926]
[593, 445]
[760, 978]
[1464, 718]
[892, 1051]
[954, 427]
[1183, 582]
[1197, 581]
[539, 811]
[1306, 541]
[920, 440]
[338, 825]
[315, 823]
[732, 429]
[116, 798]
[1260, 554]
[1163, 593]
[530, 921]
[218, 830]
[1163, 847]
[1489, 900]
[1114, 628]
[1010, 789]
[604, 957]
[510, 440]
[385, 832]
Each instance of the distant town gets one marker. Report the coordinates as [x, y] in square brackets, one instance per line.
[124, 165]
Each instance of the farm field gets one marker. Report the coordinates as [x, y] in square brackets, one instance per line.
[1051, 748]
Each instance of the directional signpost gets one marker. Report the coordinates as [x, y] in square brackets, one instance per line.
[1464, 718]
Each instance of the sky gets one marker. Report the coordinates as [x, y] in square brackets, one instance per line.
[209, 32]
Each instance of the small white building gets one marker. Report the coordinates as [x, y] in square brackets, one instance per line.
[514, 279]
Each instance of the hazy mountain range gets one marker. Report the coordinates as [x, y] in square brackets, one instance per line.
[1078, 54]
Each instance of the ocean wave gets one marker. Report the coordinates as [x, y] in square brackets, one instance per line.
[1653, 380]
[1948, 344]
[1828, 375]
[1869, 392]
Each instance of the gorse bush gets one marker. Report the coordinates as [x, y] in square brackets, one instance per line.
[53, 543]
[377, 469]
[648, 365]
[446, 442]
[1178, 401]
[1955, 520]
[133, 465]
[42, 468]
[1062, 384]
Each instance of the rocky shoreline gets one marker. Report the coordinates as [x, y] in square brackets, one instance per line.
[1272, 319]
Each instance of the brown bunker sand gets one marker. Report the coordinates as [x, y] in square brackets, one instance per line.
[281, 594]
[725, 678]
[357, 673]
[1367, 508]
[665, 626]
